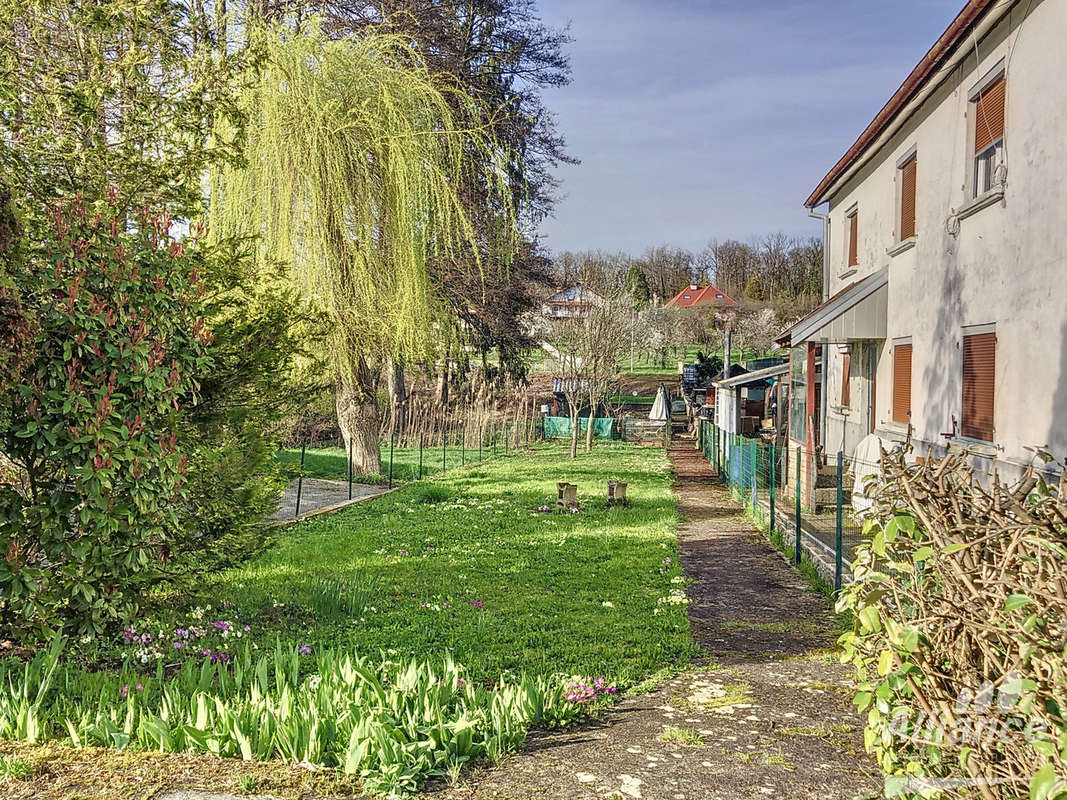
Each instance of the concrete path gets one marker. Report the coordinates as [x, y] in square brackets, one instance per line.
[767, 715]
[319, 495]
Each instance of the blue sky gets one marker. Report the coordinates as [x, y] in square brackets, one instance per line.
[715, 119]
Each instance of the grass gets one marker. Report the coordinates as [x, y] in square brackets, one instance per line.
[476, 564]
[13, 768]
[683, 736]
[476, 536]
[332, 462]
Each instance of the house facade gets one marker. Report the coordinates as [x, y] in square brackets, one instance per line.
[945, 257]
[571, 302]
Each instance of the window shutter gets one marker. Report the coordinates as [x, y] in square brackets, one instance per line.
[989, 116]
[902, 383]
[907, 200]
[846, 379]
[853, 237]
[979, 374]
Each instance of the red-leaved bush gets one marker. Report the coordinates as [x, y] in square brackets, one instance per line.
[92, 419]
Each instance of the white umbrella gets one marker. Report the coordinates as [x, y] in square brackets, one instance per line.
[660, 412]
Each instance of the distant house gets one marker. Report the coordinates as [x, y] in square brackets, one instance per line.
[695, 296]
[570, 303]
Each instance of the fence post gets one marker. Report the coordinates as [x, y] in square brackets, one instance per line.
[505, 440]
[420, 456]
[796, 552]
[462, 445]
[494, 435]
[755, 471]
[444, 448]
[392, 444]
[350, 441]
[300, 480]
[481, 438]
[772, 469]
[837, 536]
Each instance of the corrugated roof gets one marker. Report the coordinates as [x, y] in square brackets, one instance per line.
[829, 310]
[758, 376]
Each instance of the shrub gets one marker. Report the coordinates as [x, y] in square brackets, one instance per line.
[960, 630]
[392, 724]
[91, 422]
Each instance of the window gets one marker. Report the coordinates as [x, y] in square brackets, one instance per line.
[852, 223]
[846, 379]
[907, 198]
[988, 107]
[979, 372]
[902, 383]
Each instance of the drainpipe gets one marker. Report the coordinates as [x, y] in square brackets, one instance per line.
[825, 249]
[825, 295]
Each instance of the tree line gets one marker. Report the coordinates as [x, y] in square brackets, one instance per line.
[774, 268]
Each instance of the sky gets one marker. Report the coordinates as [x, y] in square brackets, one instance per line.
[715, 119]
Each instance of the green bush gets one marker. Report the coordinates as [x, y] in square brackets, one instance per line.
[91, 423]
[959, 641]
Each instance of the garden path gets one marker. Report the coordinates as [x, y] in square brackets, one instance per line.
[766, 715]
[320, 495]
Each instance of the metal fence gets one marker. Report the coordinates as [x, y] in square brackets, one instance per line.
[814, 513]
[453, 446]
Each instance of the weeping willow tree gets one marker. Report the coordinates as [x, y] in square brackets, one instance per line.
[354, 160]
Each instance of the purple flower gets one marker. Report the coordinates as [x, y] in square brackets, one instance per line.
[139, 687]
[304, 650]
[179, 645]
[125, 691]
[181, 633]
[477, 604]
[248, 628]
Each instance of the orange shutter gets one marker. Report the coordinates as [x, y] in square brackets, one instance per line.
[902, 383]
[853, 237]
[989, 116]
[846, 379]
[979, 375]
[907, 200]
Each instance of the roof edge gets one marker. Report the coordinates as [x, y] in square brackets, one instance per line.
[918, 77]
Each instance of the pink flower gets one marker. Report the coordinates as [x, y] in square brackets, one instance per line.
[477, 604]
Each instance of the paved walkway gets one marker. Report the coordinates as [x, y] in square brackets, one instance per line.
[767, 715]
[318, 493]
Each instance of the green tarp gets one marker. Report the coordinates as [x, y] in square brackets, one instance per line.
[560, 427]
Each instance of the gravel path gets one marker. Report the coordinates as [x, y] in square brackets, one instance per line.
[766, 715]
[318, 493]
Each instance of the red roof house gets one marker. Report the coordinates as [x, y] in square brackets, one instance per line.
[695, 296]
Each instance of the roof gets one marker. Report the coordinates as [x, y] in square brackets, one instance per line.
[848, 299]
[759, 376]
[926, 69]
[574, 294]
[735, 370]
[694, 295]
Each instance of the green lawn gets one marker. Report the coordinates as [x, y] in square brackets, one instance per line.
[562, 592]
[335, 646]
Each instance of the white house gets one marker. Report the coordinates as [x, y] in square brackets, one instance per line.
[571, 302]
[946, 255]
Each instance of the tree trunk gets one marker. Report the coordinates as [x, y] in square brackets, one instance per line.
[589, 428]
[574, 429]
[397, 396]
[357, 416]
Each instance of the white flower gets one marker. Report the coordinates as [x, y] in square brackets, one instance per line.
[677, 579]
[608, 604]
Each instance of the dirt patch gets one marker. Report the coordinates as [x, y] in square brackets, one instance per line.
[767, 715]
